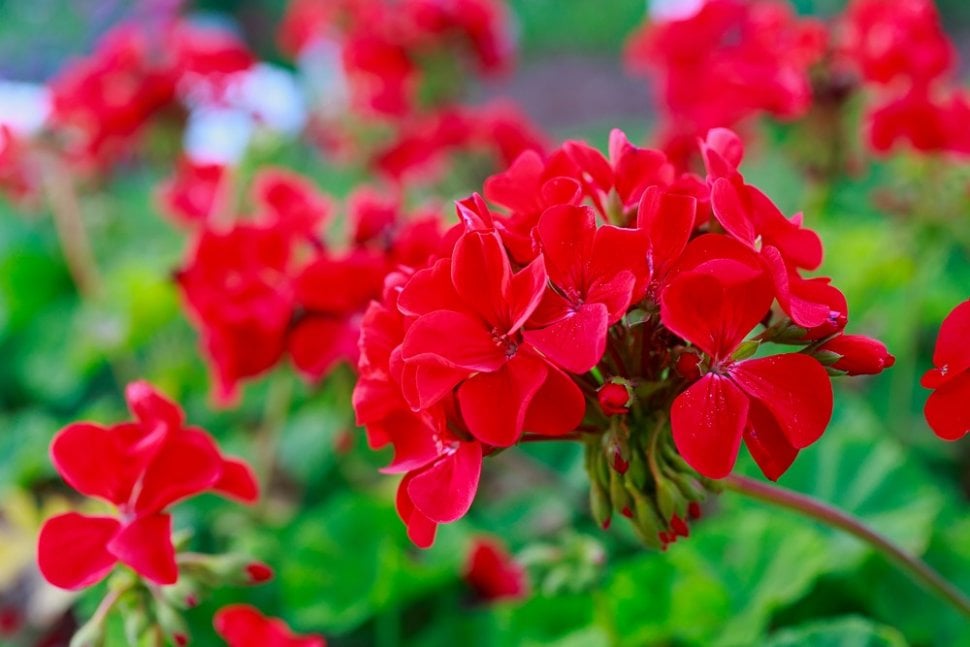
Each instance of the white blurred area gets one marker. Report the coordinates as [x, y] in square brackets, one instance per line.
[264, 98]
[24, 107]
[673, 9]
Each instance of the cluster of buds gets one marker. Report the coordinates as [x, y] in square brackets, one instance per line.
[609, 303]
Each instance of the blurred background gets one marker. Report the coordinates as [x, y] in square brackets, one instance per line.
[748, 575]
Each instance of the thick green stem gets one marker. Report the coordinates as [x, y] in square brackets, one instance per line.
[807, 506]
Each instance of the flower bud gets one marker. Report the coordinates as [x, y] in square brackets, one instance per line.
[258, 572]
[614, 398]
[858, 355]
[688, 364]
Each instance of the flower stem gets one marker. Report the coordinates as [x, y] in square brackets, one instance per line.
[69, 224]
[805, 505]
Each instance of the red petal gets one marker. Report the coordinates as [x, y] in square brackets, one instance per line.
[241, 625]
[796, 390]
[707, 421]
[525, 292]
[317, 343]
[667, 220]
[558, 406]
[421, 530]
[946, 409]
[577, 342]
[723, 152]
[93, 460]
[187, 464]
[237, 481]
[952, 352]
[444, 491]
[71, 549]
[452, 339]
[424, 384]
[481, 273]
[493, 405]
[146, 546]
[767, 442]
[430, 289]
[151, 408]
[807, 313]
[618, 251]
[710, 310]
[728, 204]
[566, 234]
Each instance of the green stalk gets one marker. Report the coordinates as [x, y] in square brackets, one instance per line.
[830, 516]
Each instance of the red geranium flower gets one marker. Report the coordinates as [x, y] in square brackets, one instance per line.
[241, 625]
[946, 409]
[142, 467]
[778, 404]
[193, 194]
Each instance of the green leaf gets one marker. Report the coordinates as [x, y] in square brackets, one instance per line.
[840, 632]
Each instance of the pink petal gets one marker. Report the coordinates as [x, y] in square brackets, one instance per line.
[576, 342]
[707, 421]
[795, 388]
[444, 491]
[71, 550]
[493, 405]
[146, 546]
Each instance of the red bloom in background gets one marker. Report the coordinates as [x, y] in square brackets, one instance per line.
[946, 409]
[106, 99]
[241, 625]
[142, 467]
[778, 404]
[891, 39]
[492, 573]
[730, 60]
[15, 177]
[239, 290]
[928, 121]
[193, 194]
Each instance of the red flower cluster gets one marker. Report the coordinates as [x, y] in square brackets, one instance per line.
[421, 147]
[384, 44]
[603, 268]
[142, 467]
[899, 48]
[730, 60]
[268, 286]
[946, 409]
[101, 103]
[241, 625]
[493, 574]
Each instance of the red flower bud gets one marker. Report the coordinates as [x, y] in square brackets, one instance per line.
[860, 355]
[257, 572]
[614, 398]
[687, 365]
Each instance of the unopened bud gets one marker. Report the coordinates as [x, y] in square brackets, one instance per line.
[615, 398]
[600, 505]
[688, 365]
[258, 572]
